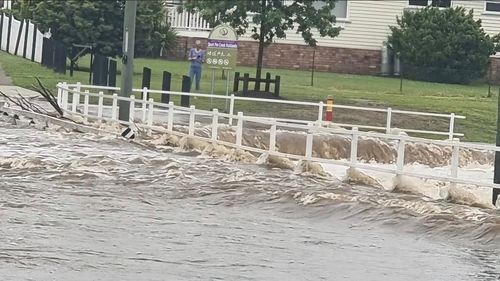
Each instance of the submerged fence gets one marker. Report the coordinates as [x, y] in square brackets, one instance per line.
[162, 118]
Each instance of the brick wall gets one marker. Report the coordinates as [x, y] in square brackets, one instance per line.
[291, 56]
[495, 70]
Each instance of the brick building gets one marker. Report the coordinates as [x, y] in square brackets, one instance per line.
[358, 48]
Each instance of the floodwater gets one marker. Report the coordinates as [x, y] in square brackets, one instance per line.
[83, 207]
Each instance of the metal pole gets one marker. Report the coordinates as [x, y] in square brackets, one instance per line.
[401, 81]
[128, 57]
[313, 67]
[228, 79]
[212, 91]
[496, 177]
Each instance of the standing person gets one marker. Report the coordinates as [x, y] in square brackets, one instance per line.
[197, 57]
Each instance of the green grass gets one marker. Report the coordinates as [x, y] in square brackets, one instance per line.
[469, 100]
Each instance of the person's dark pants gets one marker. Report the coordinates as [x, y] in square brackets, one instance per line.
[195, 72]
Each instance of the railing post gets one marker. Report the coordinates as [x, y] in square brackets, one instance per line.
[144, 101]
[400, 162]
[239, 129]
[59, 91]
[150, 116]
[215, 124]
[114, 107]
[100, 104]
[320, 113]
[455, 160]
[272, 138]
[309, 144]
[170, 124]
[452, 126]
[231, 109]
[78, 86]
[354, 146]
[64, 98]
[76, 100]
[191, 119]
[131, 114]
[86, 105]
[388, 121]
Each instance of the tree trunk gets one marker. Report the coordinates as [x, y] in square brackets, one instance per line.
[260, 56]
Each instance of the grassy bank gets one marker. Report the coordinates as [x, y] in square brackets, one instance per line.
[468, 100]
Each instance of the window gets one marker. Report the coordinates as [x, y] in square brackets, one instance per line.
[340, 10]
[492, 6]
[433, 3]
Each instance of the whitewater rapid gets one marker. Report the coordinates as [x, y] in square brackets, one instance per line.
[85, 207]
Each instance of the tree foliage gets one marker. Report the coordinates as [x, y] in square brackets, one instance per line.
[442, 45]
[152, 31]
[100, 24]
[270, 19]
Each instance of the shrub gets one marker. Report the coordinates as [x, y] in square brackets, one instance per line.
[442, 45]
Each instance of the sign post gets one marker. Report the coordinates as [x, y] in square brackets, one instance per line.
[222, 52]
[128, 58]
[496, 175]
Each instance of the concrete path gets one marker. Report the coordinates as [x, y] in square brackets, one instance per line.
[8, 88]
[14, 91]
[4, 79]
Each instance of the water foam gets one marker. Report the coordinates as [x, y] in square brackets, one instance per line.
[20, 163]
[331, 147]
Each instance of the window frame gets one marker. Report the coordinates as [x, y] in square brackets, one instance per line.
[422, 7]
[346, 19]
[485, 11]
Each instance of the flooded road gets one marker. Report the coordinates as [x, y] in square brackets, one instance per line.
[82, 207]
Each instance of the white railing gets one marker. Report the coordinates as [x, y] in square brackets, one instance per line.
[186, 20]
[320, 109]
[153, 120]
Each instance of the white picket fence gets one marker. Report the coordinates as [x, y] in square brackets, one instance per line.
[7, 4]
[186, 20]
[154, 114]
[21, 38]
[319, 108]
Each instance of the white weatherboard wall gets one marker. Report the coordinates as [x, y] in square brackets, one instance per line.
[489, 21]
[23, 40]
[368, 24]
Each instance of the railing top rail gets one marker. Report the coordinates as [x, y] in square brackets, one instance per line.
[430, 114]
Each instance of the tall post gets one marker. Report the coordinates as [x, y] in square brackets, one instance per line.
[313, 68]
[33, 46]
[496, 178]
[112, 73]
[128, 57]
[186, 88]
[146, 79]
[165, 86]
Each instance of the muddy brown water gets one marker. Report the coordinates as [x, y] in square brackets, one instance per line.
[82, 207]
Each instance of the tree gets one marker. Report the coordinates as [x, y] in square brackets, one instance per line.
[442, 45]
[100, 24]
[270, 19]
[23, 8]
[152, 30]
